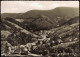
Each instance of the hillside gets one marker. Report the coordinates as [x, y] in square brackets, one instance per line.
[12, 28]
[66, 31]
[42, 23]
[73, 20]
[68, 12]
[57, 17]
[13, 15]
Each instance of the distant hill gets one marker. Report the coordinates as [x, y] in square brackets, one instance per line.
[12, 15]
[57, 16]
[67, 12]
[59, 11]
[44, 19]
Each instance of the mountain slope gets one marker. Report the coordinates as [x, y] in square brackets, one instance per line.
[26, 36]
[56, 17]
[42, 23]
[59, 11]
[13, 15]
[68, 12]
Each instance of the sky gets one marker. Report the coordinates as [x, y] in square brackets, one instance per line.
[24, 6]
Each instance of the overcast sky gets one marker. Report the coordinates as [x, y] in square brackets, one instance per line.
[24, 6]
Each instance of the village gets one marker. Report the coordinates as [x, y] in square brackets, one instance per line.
[40, 46]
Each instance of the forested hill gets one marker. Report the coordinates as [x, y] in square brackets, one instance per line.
[68, 12]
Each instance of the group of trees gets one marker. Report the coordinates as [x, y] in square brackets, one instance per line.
[20, 38]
